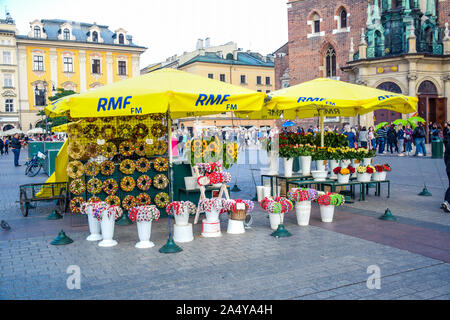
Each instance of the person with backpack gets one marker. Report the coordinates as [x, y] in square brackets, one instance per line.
[419, 135]
[392, 139]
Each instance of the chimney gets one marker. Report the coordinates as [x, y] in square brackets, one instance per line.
[207, 43]
[199, 44]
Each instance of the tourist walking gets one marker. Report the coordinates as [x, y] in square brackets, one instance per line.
[401, 140]
[15, 147]
[363, 137]
[6, 143]
[371, 138]
[2, 144]
[351, 139]
[408, 139]
[382, 134]
[446, 204]
[419, 135]
[392, 139]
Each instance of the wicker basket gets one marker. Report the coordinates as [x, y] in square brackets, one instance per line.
[238, 215]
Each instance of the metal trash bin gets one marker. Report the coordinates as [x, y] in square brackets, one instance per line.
[437, 149]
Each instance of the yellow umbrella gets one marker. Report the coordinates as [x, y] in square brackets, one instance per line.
[183, 93]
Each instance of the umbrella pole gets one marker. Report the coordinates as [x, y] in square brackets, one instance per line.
[321, 128]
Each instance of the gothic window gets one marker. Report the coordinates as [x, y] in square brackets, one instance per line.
[378, 44]
[429, 39]
[95, 36]
[316, 21]
[66, 34]
[343, 18]
[330, 63]
[121, 38]
[37, 32]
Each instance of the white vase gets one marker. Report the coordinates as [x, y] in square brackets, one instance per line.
[326, 213]
[364, 177]
[144, 232]
[367, 161]
[303, 212]
[182, 218]
[107, 226]
[321, 164]
[288, 163]
[306, 165]
[183, 233]
[345, 163]
[94, 226]
[273, 162]
[379, 176]
[332, 164]
[275, 219]
[190, 183]
[235, 227]
[343, 178]
[211, 229]
[212, 216]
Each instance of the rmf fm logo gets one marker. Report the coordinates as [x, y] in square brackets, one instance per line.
[204, 100]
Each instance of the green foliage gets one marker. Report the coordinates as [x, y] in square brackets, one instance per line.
[54, 122]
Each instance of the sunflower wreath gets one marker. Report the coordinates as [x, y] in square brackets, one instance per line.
[157, 116]
[161, 200]
[94, 186]
[126, 148]
[113, 200]
[76, 150]
[129, 202]
[77, 186]
[94, 199]
[142, 165]
[140, 131]
[91, 131]
[158, 130]
[109, 150]
[125, 131]
[161, 164]
[75, 169]
[144, 182]
[75, 204]
[127, 166]
[127, 184]
[92, 150]
[160, 181]
[74, 130]
[142, 118]
[160, 147]
[91, 168]
[110, 186]
[108, 132]
[107, 168]
[140, 148]
[143, 199]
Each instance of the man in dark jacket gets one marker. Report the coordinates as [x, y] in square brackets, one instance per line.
[382, 136]
[1, 146]
[419, 135]
[15, 147]
[446, 204]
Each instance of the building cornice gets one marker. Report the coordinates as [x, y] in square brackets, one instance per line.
[226, 64]
[410, 56]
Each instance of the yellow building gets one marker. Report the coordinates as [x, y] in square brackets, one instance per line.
[70, 55]
[229, 64]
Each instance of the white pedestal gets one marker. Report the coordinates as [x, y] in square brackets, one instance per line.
[235, 227]
[107, 227]
[144, 233]
[94, 227]
[183, 233]
[211, 229]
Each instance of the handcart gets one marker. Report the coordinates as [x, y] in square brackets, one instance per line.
[43, 192]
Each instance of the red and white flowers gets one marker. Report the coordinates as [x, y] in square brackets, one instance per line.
[144, 213]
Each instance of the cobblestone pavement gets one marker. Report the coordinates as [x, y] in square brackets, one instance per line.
[320, 261]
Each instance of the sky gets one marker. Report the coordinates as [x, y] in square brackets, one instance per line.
[168, 27]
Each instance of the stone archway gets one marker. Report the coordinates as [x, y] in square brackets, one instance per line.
[384, 115]
[8, 127]
[430, 107]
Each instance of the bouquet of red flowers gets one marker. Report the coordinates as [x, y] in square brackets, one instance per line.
[331, 198]
[370, 169]
[337, 170]
[352, 170]
[386, 167]
[378, 168]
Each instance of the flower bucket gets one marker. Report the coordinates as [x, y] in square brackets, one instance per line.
[182, 219]
[343, 178]
[364, 177]
[326, 213]
[235, 227]
[367, 161]
[306, 165]
[379, 176]
[107, 227]
[321, 164]
[331, 165]
[288, 163]
[345, 163]
[355, 164]
[94, 226]
[303, 212]
[144, 232]
[212, 216]
[190, 183]
[273, 163]
[275, 220]
[183, 233]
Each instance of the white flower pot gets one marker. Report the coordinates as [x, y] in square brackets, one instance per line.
[303, 212]
[379, 176]
[211, 229]
[190, 183]
[273, 162]
[326, 213]
[343, 178]
[321, 165]
[345, 163]
[306, 165]
[107, 226]
[212, 216]
[183, 233]
[235, 227]
[94, 226]
[288, 163]
[182, 219]
[144, 233]
[332, 164]
[275, 219]
[364, 177]
[367, 161]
